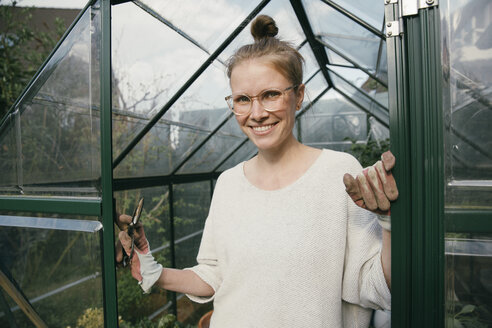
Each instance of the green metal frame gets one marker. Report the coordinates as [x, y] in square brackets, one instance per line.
[108, 256]
[89, 207]
[471, 221]
[414, 76]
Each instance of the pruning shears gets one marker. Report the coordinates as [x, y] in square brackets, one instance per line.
[127, 258]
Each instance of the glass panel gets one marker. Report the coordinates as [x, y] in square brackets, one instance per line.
[191, 205]
[58, 128]
[314, 88]
[150, 63]
[213, 151]
[202, 108]
[153, 153]
[133, 305]
[342, 33]
[289, 28]
[360, 98]
[468, 281]
[371, 12]
[58, 271]
[310, 63]
[331, 121]
[364, 82]
[382, 69]
[8, 156]
[467, 98]
[190, 120]
[335, 59]
[194, 18]
[244, 153]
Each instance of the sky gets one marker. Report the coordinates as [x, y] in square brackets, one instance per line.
[79, 4]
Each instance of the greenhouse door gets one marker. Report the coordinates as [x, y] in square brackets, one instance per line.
[439, 62]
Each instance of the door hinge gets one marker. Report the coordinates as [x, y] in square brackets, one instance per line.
[392, 29]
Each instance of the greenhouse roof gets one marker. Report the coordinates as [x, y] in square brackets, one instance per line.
[170, 120]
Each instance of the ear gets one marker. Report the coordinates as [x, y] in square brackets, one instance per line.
[300, 96]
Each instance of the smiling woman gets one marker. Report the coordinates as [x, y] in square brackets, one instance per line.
[271, 215]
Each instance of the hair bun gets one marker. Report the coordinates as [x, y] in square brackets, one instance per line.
[263, 26]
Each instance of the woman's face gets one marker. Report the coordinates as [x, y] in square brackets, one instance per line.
[267, 130]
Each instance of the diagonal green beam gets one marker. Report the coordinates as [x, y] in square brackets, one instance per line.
[317, 49]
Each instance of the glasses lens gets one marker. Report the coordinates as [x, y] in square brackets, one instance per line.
[240, 103]
[271, 99]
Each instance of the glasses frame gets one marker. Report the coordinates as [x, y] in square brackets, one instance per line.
[231, 107]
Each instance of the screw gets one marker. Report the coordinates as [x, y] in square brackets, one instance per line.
[429, 2]
[387, 1]
[389, 24]
[389, 33]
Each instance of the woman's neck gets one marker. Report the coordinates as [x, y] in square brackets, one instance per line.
[272, 170]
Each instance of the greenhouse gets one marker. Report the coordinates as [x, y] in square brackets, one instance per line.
[130, 105]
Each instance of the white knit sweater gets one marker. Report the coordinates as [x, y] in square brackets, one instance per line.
[301, 256]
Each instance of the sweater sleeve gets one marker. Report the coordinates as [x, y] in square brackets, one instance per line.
[208, 268]
[363, 278]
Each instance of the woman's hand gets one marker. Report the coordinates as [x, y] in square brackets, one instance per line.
[375, 188]
[143, 266]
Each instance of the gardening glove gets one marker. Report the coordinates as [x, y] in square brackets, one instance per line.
[143, 266]
[375, 188]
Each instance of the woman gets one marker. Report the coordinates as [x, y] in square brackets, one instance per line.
[283, 245]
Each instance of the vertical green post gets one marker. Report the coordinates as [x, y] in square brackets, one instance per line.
[109, 274]
[425, 110]
[414, 78]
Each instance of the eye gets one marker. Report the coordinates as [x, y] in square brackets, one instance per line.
[271, 94]
[241, 99]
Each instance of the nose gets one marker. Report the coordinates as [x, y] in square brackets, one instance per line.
[258, 113]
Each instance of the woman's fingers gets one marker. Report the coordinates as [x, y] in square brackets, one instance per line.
[126, 241]
[352, 189]
[388, 159]
[123, 221]
[388, 181]
[377, 187]
[367, 192]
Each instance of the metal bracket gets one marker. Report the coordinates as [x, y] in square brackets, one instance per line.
[411, 7]
[392, 29]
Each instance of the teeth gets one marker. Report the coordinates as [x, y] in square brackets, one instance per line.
[262, 128]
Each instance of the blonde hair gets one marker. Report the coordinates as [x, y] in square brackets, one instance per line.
[281, 54]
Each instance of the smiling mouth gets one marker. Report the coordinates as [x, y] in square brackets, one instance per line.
[263, 128]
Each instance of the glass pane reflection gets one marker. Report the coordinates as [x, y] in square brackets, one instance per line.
[343, 34]
[467, 84]
[468, 281]
[58, 271]
[57, 126]
[209, 23]
[331, 120]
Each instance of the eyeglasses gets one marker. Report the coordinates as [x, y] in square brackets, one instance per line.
[270, 99]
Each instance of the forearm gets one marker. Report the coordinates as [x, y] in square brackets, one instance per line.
[184, 281]
[386, 256]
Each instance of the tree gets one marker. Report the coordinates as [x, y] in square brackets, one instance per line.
[22, 50]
